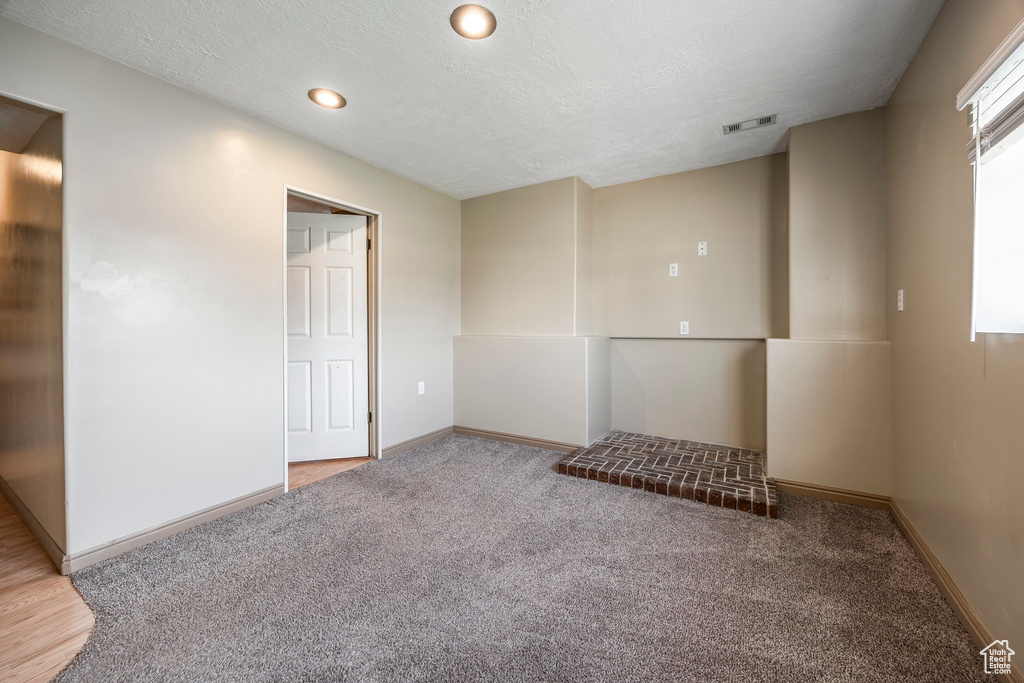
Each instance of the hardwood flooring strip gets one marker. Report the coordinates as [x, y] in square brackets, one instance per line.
[43, 620]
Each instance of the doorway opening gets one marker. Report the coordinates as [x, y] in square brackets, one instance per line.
[32, 471]
[332, 353]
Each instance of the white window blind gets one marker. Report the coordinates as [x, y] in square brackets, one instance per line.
[996, 97]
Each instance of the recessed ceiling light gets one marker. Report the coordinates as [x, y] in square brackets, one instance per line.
[473, 22]
[327, 98]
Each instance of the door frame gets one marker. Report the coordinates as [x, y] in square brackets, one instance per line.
[373, 289]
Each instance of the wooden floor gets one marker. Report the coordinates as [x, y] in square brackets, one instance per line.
[302, 473]
[43, 620]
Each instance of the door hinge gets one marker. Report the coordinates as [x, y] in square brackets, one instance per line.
[367, 243]
[369, 417]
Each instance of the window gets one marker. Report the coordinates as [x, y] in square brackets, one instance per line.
[996, 97]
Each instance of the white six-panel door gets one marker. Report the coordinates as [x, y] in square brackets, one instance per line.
[327, 381]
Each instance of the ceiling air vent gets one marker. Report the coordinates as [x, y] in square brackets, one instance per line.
[749, 124]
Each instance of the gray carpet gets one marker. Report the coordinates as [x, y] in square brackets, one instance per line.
[473, 560]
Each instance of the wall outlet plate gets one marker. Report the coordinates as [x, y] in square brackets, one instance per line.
[702, 248]
[899, 300]
[422, 388]
[684, 327]
[673, 270]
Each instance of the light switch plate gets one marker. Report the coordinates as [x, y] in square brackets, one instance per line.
[702, 248]
[899, 300]
[423, 388]
[673, 270]
[684, 327]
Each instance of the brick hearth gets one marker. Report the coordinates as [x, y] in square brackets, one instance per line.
[705, 472]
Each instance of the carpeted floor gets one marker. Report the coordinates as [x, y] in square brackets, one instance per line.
[471, 560]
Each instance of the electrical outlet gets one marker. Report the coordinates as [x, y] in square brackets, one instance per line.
[899, 300]
[673, 270]
[684, 327]
[423, 388]
[702, 248]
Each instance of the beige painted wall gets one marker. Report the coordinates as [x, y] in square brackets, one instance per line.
[694, 389]
[31, 321]
[518, 256]
[780, 248]
[829, 414]
[708, 390]
[524, 364]
[641, 227]
[837, 228]
[527, 386]
[584, 258]
[599, 389]
[958, 432]
[174, 210]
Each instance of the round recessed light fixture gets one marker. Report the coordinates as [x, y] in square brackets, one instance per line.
[473, 22]
[327, 98]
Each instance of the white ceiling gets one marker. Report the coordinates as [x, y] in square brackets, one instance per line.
[609, 90]
[18, 123]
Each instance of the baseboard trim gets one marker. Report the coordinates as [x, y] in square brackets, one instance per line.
[122, 545]
[516, 439]
[415, 442]
[34, 526]
[869, 500]
[977, 630]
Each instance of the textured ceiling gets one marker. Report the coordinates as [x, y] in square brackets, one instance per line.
[609, 90]
[18, 123]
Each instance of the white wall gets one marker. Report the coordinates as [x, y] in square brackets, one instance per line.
[174, 312]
